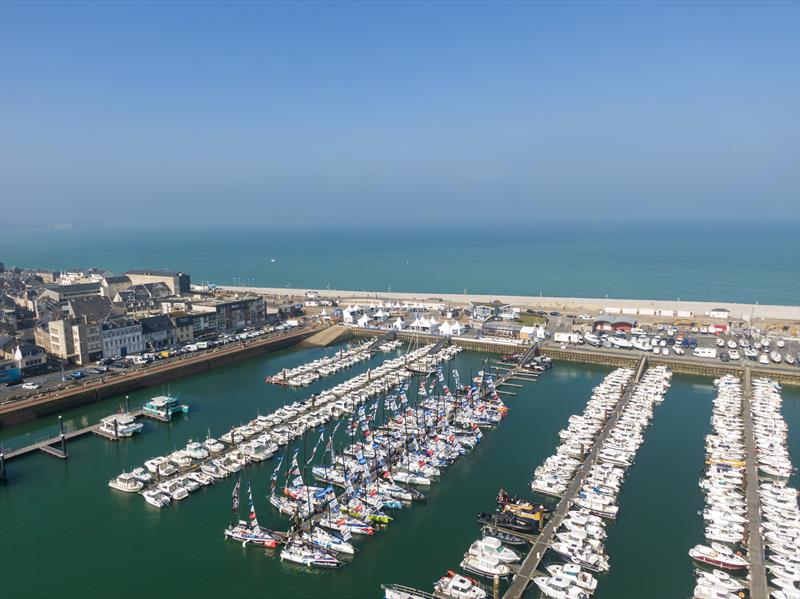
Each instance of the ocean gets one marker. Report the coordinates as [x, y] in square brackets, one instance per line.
[667, 261]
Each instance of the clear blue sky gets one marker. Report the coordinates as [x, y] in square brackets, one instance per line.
[196, 114]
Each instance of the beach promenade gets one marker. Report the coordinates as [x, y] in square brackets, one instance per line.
[579, 304]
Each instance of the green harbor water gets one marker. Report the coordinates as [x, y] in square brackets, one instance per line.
[66, 534]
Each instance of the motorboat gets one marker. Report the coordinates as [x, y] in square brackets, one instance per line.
[488, 566]
[494, 547]
[196, 450]
[399, 591]
[164, 407]
[507, 538]
[126, 482]
[559, 587]
[505, 521]
[458, 587]
[300, 553]
[718, 555]
[142, 474]
[156, 498]
[119, 425]
[584, 580]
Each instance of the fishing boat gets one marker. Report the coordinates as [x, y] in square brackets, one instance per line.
[127, 482]
[457, 586]
[484, 565]
[718, 555]
[582, 579]
[164, 407]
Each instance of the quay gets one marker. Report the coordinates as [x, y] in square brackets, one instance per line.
[529, 568]
[755, 539]
[23, 410]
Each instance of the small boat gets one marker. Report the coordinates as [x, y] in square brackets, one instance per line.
[458, 587]
[399, 591]
[487, 566]
[718, 555]
[494, 547]
[573, 571]
[559, 587]
[300, 553]
[156, 498]
[119, 425]
[142, 474]
[505, 521]
[244, 533]
[507, 538]
[126, 482]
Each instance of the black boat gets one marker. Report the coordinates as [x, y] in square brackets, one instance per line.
[503, 536]
[505, 521]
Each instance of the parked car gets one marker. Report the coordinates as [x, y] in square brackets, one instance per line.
[31, 386]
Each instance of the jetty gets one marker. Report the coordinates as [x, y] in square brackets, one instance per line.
[529, 568]
[755, 539]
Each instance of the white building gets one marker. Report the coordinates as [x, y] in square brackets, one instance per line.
[723, 313]
[122, 337]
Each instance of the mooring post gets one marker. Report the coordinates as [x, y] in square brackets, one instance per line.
[116, 429]
[2, 464]
[496, 587]
[61, 433]
[127, 405]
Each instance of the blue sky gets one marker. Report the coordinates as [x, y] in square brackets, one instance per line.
[325, 113]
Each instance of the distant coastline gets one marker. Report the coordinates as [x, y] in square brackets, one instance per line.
[738, 310]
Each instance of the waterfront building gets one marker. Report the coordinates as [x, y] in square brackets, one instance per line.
[61, 294]
[158, 332]
[114, 284]
[606, 322]
[178, 282]
[722, 313]
[122, 336]
[233, 315]
[30, 359]
[184, 328]
[496, 328]
[143, 299]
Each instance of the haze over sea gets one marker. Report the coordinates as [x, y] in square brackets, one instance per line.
[723, 262]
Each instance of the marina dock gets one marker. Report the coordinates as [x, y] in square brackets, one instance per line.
[530, 566]
[755, 540]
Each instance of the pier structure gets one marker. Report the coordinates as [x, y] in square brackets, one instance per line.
[529, 568]
[755, 539]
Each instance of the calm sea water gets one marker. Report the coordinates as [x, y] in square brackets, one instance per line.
[98, 543]
[648, 261]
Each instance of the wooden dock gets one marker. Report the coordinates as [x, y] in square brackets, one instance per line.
[47, 445]
[529, 568]
[755, 540]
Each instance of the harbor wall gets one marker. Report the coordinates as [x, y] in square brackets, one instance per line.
[29, 409]
[616, 358]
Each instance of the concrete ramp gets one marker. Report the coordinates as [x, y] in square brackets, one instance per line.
[328, 336]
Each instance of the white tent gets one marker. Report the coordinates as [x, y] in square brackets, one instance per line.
[363, 321]
[433, 326]
[457, 328]
[347, 315]
[380, 315]
[445, 328]
[398, 324]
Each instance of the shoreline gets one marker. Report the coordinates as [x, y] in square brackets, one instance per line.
[738, 311]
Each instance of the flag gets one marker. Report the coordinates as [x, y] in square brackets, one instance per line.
[235, 497]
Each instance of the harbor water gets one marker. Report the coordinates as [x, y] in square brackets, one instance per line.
[67, 534]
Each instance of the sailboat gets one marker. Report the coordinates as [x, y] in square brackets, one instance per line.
[249, 531]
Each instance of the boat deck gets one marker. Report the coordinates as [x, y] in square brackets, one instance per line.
[530, 566]
[755, 540]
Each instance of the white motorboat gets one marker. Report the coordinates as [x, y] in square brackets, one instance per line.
[484, 565]
[126, 482]
[119, 425]
[559, 587]
[156, 498]
[196, 450]
[582, 579]
[458, 587]
[718, 555]
[490, 546]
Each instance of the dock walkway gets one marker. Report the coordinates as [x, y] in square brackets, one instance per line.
[755, 540]
[530, 565]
